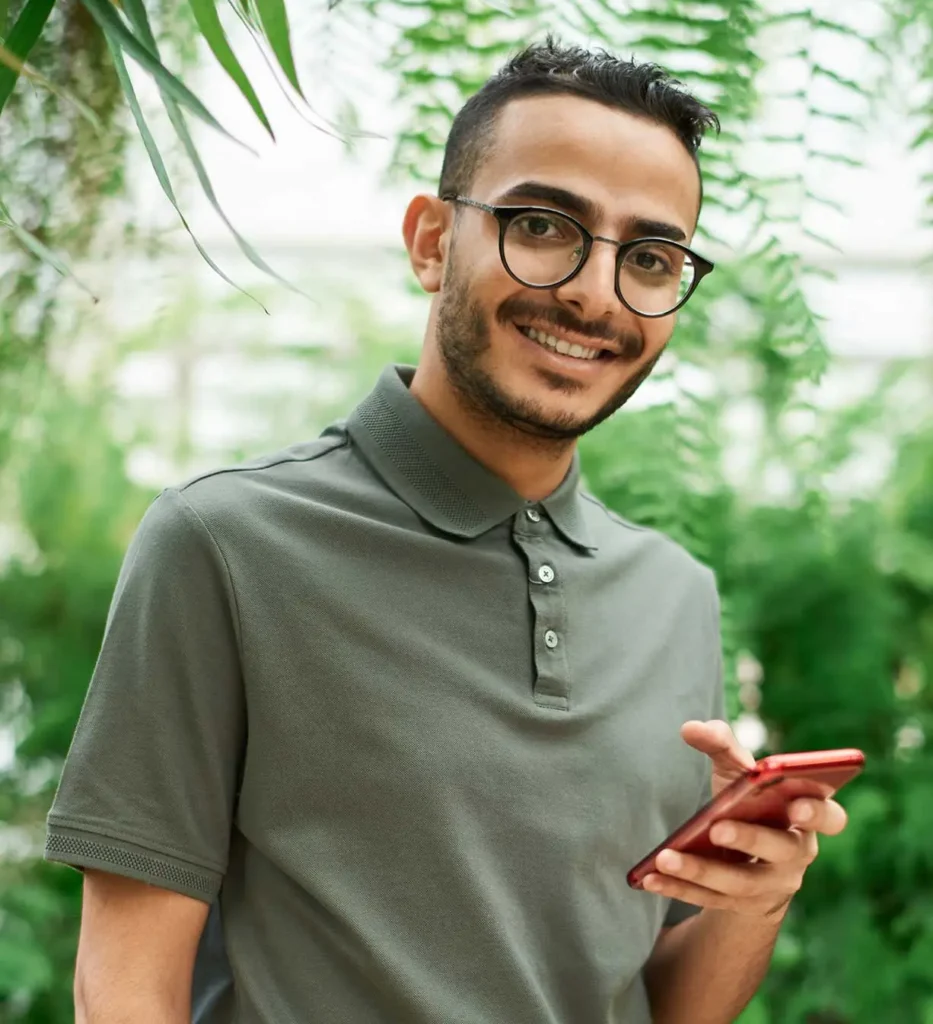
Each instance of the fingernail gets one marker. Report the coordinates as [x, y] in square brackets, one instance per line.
[670, 861]
[803, 812]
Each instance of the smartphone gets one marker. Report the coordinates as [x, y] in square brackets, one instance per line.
[762, 796]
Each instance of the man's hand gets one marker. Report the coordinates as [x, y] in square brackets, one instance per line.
[782, 856]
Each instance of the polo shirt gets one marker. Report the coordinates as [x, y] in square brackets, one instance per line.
[405, 730]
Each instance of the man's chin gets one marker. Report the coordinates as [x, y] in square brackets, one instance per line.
[536, 419]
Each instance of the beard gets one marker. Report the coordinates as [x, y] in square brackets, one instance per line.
[463, 337]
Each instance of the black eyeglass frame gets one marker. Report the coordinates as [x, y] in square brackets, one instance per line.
[506, 214]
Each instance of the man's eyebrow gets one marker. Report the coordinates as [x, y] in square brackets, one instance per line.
[586, 209]
[641, 227]
[540, 192]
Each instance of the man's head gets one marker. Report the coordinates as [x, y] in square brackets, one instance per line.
[609, 142]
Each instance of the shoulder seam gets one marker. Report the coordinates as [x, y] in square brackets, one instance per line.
[223, 559]
[340, 442]
[614, 516]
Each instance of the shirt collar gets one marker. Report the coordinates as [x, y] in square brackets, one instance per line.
[437, 477]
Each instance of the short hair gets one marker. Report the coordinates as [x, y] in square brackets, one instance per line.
[643, 89]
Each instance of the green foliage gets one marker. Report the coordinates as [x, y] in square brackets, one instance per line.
[22, 38]
[128, 34]
[211, 27]
[846, 664]
[77, 513]
[59, 208]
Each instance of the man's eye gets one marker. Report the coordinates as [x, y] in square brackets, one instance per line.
[539, 226]
[651, 262]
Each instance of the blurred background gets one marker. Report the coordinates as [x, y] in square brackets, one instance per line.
[786, 439]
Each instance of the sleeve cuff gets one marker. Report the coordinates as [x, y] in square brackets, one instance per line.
[82, 849]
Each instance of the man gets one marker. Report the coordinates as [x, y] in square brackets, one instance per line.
[403, 703]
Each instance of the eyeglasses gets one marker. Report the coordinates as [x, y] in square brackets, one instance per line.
[542, 248]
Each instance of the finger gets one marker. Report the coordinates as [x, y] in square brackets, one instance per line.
[736, 880]
[772, 845]
[687, 892]
[717, 741]
[823, 816]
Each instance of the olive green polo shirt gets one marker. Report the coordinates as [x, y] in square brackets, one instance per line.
[407, 729]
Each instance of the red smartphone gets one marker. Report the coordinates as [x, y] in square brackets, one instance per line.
[761, 795]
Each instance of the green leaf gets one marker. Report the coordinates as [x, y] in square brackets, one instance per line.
[274, 19]
[833, 204]
[177, 119]
[136, 12]
[836, 158]
[158, 164]
[246, 13]
[39, 250]
[205, 14]
[834, 76]
[846, 30]
[11, 61]
[22, 38]
[258, 39]
[105, 14]
[821, 239]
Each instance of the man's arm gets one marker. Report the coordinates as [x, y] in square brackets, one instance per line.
[136, 952]
[149, 787]
[706, 969]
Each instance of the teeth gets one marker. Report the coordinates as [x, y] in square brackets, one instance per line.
[559, 345]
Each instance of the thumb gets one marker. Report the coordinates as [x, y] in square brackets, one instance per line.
[718, 742]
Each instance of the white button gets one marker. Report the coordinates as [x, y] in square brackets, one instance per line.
[545, 574]
[533, 514]
[550, 638]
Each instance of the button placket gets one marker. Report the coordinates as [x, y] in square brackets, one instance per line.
[539, 545]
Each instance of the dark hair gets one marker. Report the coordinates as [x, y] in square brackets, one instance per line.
[645, 90]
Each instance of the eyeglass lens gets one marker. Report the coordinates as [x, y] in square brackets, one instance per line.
[543, 249]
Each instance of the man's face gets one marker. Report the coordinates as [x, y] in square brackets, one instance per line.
[630, 176]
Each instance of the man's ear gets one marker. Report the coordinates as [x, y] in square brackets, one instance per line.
[426, 230]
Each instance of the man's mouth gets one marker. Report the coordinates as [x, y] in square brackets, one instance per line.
[564, 347]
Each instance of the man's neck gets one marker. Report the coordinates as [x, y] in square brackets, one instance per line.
[532, 466]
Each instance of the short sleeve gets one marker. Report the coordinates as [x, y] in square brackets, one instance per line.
[678, 911]
[149, 783]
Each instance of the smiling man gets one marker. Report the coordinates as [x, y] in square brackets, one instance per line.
[393, 711]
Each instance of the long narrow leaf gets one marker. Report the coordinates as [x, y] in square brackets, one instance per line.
[158, 164]
[205, 14]
[40, 250]
[136, 12]
[22, 38]
[244, 10]
[178, 120]
[105, 14]
[258, 38]
[274, 20]
[13, 62]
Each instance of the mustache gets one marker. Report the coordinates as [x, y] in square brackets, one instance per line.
[629, 344]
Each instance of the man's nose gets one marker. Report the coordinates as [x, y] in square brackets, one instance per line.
[592, 292]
